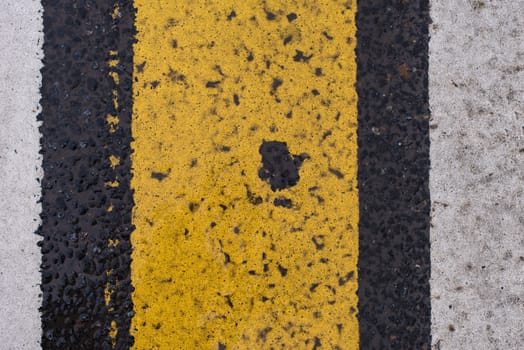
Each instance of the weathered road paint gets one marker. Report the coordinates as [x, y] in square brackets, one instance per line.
[220, 260]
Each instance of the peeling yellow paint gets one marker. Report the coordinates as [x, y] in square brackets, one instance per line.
[113, 183]
[112, 243]
[114, 75]
[113, 332]
[215, 262]
[108, 293]
[116, 11]
[114, 161]
[112, 121]
[107, 289]
[112, 63]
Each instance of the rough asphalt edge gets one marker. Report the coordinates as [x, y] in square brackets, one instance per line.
[394, 258]
[20, 173]
[78, 263]
[477, 179]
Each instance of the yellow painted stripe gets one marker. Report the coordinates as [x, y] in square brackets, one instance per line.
[216, 265]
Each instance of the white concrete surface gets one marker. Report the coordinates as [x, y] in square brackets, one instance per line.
[20, 166]
[477, 176]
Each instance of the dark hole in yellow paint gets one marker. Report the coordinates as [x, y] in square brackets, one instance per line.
[283, 202]
[291, 17]
[279, 167]
[160, 175]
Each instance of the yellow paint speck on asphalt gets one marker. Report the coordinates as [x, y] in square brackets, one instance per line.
[220, 260]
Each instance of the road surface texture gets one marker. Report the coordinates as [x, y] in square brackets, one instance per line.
[477, 174]
[262, 174]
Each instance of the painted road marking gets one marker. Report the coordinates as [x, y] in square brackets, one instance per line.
[20, 169]
[248, 222]
[221, 260]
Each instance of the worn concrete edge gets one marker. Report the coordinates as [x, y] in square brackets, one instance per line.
[20, 172]
[477, 177]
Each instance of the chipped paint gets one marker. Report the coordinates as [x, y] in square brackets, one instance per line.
[114, 161]
[220, 259]
[112, 124]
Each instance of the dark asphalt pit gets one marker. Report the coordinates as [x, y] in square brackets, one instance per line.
[279, 167]
[283, 202]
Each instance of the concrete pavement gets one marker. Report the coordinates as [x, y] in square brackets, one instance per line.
[20, 171]
[477, 174]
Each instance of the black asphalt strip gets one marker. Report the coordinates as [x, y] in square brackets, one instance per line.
[86, 223]
[394, 258]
